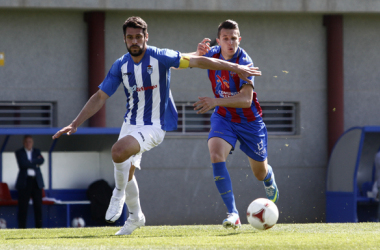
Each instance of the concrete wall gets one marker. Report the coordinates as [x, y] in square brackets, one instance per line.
[45, 59]
[362, 74]
[284, 6]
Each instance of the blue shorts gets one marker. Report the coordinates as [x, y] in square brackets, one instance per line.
[251, 135]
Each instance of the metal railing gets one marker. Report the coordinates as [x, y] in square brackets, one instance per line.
[280, 119]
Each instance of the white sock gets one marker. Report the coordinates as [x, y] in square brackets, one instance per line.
[121, 174]
[132, 199]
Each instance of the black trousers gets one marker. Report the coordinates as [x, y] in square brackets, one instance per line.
[31, 191]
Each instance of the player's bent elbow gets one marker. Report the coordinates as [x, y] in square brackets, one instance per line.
[247, 103]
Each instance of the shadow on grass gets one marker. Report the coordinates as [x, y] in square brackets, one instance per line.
[61, 237]
[236, 233]
[129, 236]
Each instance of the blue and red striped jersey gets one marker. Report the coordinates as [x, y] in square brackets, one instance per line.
[226, 83]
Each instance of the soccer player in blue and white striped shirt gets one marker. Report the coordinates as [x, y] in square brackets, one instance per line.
[145, 74]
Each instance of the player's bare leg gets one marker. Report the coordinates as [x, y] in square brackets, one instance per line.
[136, 218]
[259, 168]
[121, 151]
[124, 148]
[219, 150]
[263, 172]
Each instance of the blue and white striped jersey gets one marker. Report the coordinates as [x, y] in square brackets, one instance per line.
[147, 87]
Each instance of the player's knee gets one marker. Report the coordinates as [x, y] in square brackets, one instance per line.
[115, 153]
[216, 157]
[118, 154]
[260, 174]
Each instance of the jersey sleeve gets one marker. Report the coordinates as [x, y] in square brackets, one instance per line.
[168, 57]
[214, 50]
[245, 60]
[112, 80]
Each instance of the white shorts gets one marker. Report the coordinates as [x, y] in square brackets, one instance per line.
[148, 137]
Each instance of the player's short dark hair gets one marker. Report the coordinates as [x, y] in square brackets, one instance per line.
[135, 22]
[228, 24]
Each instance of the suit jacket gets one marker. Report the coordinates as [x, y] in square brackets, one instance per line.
[24, 164]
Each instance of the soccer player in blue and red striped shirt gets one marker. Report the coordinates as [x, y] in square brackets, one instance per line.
[237, 116]
[144, 72]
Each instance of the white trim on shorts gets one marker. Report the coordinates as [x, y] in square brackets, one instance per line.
[148, 136]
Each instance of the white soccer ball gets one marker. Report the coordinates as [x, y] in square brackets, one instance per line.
[3, 223]
[78, 222]
[262, 214]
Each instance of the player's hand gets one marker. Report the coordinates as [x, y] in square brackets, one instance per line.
[245, 71]
[203, 47]
[204, 104]
[68, 130]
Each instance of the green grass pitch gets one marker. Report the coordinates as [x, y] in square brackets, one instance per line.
[281, 236]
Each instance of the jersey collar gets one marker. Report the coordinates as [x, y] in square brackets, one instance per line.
[233, 59]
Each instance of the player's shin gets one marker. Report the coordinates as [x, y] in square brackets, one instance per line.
[270, 186]
[132, 199]
[224, 185]
[268, 178]
[121, 175]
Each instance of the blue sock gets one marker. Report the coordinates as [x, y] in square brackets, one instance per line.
[268, 179]
[224, 185]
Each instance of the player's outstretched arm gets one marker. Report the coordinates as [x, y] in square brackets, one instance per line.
[92, 106]
[202, 49]
[243, 71]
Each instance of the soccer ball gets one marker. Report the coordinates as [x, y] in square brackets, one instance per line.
[262, 214]
[78, 222]
[3, 223]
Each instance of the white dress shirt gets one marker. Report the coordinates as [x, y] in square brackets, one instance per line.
[31, 172]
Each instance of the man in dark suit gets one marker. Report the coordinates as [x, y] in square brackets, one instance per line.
[29, 182]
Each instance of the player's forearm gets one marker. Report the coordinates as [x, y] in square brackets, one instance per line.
[190, 54]
[241, 100]
[196, 53]
[212, 64]
[93, 105]
[234, 102]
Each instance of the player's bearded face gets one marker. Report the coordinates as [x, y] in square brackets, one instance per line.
[135, 41]
[136, 50]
